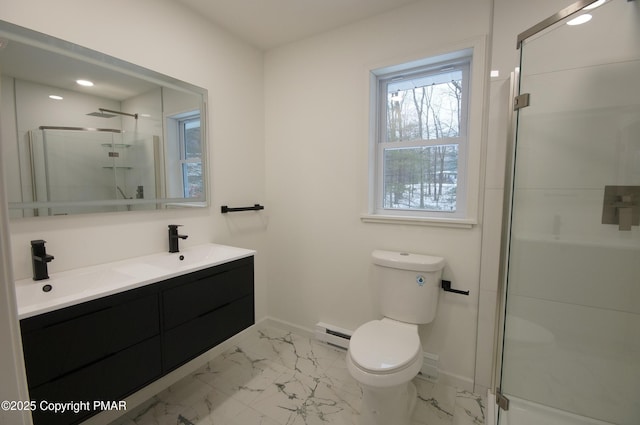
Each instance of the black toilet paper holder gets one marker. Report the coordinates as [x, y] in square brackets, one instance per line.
[446, 285]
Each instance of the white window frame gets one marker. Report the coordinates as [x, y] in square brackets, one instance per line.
[462, 65]
[469, 159]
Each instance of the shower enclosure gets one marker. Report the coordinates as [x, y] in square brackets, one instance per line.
[81, 165]
[570, 345]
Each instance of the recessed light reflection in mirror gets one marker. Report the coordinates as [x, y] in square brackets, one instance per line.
[594, 5]
[582, 19]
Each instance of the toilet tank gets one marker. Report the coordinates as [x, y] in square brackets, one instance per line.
[408, 285]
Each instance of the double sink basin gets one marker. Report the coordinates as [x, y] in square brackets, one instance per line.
[88, 283]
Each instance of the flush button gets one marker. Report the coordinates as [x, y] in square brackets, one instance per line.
[47, 288]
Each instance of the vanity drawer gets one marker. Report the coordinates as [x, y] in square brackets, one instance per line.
[111, 379]
[191, 339]
[60, 342]
[207, 291]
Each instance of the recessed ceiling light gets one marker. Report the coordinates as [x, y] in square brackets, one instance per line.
[594, 5]
[85, 83]
[580, 19]
[55, 97]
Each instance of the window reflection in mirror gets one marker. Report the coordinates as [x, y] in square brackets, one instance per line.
[184, 154]
[126, 138]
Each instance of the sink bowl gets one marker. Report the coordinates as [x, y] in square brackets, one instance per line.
[80, 285]
[191, 258]
[67, 288]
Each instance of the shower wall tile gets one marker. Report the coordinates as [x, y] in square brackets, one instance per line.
[581, 138]
[576, 272]
[572, 357]
[565, 214]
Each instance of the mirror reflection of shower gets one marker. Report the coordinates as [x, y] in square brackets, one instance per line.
[74, 164]
[124, 196]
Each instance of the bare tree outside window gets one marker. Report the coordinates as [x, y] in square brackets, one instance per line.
[421, 140]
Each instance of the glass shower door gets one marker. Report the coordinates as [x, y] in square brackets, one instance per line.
[571, 347]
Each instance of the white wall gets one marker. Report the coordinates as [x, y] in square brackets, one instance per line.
[160, 35]
[317, 166]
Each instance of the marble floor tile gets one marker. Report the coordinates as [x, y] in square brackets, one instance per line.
[470, 409]
[435, 405]
[274, 377]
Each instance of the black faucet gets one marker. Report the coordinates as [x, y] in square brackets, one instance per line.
[39, 260]
[174, 236]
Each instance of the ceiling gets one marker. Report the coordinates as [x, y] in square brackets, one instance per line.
[270, 23]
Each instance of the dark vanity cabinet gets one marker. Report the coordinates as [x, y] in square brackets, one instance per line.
[202, 309]
[106, 349]
[99, 350]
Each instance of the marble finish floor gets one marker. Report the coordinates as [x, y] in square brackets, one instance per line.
[274, 377]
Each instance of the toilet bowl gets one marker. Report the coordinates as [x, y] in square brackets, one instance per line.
[385, 355]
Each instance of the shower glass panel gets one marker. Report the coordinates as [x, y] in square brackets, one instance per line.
[85, 165]
[571, 347]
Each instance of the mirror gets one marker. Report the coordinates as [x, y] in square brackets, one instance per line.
[85, 132]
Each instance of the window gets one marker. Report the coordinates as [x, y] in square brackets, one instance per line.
[420, 138]
[184, 156]
[191, 157]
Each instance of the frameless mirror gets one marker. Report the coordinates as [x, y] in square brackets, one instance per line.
[85, 132]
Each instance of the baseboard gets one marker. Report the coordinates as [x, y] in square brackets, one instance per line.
[287, 326]
[457, 381]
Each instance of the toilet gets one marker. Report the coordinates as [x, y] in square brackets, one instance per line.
[385, 355]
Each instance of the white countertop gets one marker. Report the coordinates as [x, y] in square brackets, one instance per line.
[89, 283]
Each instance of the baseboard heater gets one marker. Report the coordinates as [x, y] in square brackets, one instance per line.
[333, 335]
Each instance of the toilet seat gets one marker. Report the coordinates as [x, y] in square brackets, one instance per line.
[385, 346]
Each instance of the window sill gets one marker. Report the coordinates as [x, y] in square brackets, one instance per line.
[456, 223]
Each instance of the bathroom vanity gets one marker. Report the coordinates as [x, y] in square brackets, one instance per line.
[155, 314]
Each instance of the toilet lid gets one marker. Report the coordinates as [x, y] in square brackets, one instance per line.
[382, 346]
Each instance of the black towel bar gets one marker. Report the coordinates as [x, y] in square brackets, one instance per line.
[225, 209]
